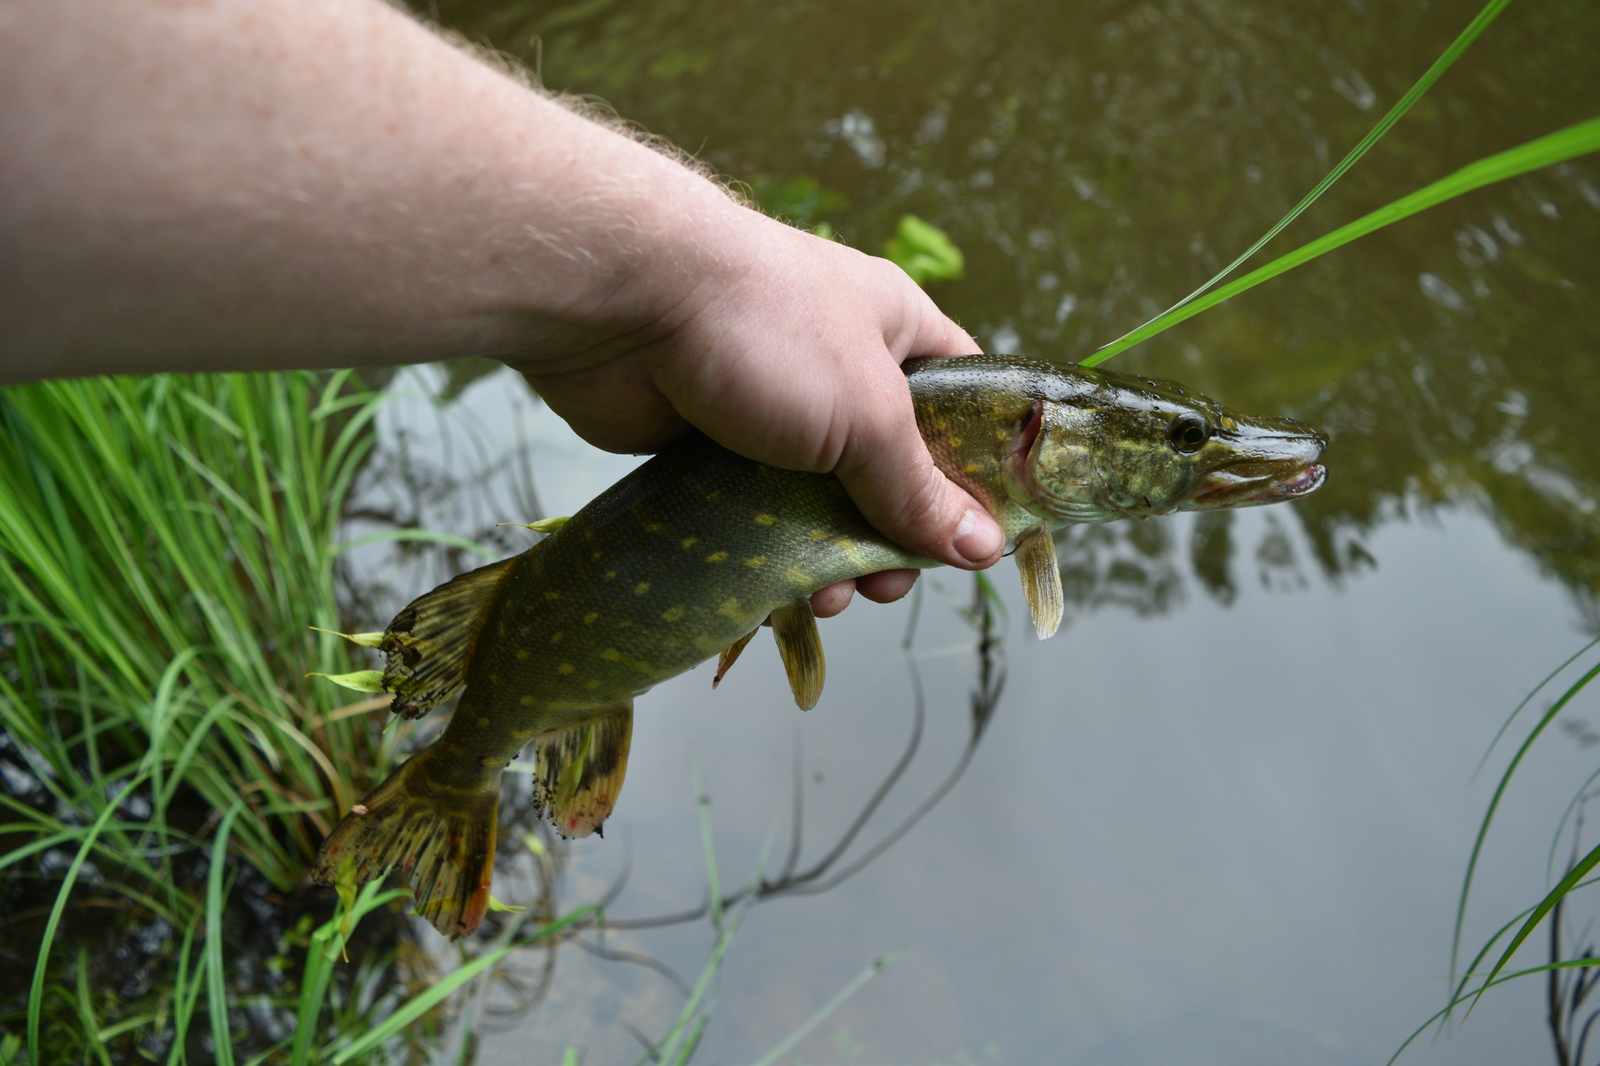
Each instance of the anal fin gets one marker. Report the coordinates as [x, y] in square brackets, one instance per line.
[1041, 579]
[429, 644]
[730, 655]
[795, 628]
[579, 770]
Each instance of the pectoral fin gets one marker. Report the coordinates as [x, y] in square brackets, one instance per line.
[428, 645]
[1041, 579]
[795, 628]
[579, 770]
[730, 655]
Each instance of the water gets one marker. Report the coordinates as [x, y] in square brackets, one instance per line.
[1224, 815]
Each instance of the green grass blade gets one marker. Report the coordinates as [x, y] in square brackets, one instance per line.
[1576, 140]
[874, 968]
[431, 536]
[709, 848]
[216, 896]
[1555, 895]
[320, 956]
[1551, 676]
[36, 991]
[1424, 83]
[1488, 818]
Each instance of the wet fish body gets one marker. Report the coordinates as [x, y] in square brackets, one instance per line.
[686, 556]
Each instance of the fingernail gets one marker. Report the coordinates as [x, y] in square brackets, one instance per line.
[978, 537]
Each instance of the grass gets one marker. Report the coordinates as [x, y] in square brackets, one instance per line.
[164, 544]
[1471, 982]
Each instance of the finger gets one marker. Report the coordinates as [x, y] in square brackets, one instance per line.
[886, 586]
[889, 474]
[829, 601]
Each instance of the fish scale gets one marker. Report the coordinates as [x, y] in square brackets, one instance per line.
[687, 555]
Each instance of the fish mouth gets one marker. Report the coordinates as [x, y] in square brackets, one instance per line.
[1271, 460]
[1232, 487]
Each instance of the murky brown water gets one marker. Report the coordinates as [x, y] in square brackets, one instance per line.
[1228, 824]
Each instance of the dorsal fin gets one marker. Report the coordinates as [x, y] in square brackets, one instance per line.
[578, 770]
[1041, 579]
[428, 645]
[794, 626]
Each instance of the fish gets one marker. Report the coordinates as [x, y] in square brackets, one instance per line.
[688, 555]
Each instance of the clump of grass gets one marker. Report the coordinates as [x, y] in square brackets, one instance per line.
[1471, 982]
[165, 543]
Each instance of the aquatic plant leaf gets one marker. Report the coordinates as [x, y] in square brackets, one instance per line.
[360, 680]
[543, 525]
[1575, 140]
[366, 640]
[504, 908]
[1440, 65]
[924, 251]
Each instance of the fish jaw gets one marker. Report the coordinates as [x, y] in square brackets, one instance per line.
[1257, 460]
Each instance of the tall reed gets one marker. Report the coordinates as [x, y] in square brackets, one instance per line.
[165, 545]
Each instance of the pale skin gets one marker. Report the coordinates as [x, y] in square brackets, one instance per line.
[267, 184]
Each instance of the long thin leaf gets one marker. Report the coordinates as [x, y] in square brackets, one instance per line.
[1576, 140]
[1440, 65]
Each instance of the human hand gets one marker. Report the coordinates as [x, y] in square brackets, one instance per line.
[786, 348]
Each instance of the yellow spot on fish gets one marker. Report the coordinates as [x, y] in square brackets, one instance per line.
[526, 701]
[756, 562]
[1001, 434]
[764, 520]
[596, 554]
[653, 527]
[589, 618]
[797, 576]
[611, 655]
[641, 588]
[565, 668]
[552, 596]
[819, 534]
[689, 542]
[716, 557]
[610, 575]
[555, 638]
[593, 683]
[1228, 423]
[483, 723]
[672, 614]
[955, 442]
[522, 653]
[713, 495]
[729, 609]
[494, 678]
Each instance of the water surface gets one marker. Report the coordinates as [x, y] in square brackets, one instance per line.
[1223, 816]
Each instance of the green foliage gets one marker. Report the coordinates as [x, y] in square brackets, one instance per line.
[1576, 140]
[1472, 982]
[165, 543]
[801, 201]
[924, 251]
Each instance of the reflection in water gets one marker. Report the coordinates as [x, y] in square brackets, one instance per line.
[1095, 162]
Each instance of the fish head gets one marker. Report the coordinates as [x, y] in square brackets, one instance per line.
[1102, 446]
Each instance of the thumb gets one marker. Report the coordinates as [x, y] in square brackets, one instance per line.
[889, 474]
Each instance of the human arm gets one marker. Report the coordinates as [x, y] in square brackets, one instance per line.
[309, 184]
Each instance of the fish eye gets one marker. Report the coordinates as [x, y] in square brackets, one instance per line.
[1188, 434]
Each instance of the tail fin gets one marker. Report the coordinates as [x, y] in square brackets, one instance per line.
[442, 840]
